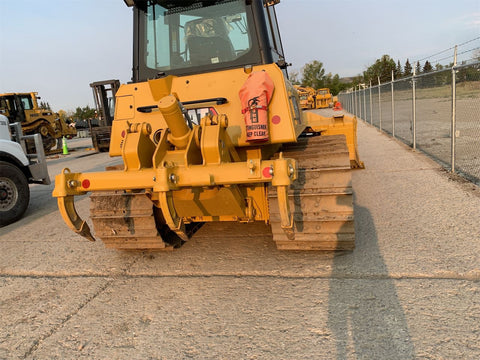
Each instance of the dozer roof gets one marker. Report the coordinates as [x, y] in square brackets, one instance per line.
[20, 94]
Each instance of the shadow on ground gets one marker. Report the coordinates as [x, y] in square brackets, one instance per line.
[364, 312]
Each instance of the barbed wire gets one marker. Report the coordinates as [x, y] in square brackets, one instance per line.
[458, 54]
[449, 49]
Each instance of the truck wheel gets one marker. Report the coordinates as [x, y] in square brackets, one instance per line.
[14, 193]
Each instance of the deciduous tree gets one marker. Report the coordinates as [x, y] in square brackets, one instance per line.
[382, 68]
[313, 75]
[84, 113]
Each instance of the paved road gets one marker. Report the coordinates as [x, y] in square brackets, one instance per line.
[410, 290]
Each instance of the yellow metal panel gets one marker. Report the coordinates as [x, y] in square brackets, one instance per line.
[124, 107]
[209, 202]
[284, 119]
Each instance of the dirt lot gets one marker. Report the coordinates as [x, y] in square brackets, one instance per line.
[410, 290]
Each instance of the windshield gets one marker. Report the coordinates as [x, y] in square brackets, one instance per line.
[215, 35]
[26, 102]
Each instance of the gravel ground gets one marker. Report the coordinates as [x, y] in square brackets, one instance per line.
[410, 289]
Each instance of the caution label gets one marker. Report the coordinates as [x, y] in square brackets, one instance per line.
[256, 130]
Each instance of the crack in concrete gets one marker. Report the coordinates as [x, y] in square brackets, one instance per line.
[109, 281]
[474, 276]
[55, 328]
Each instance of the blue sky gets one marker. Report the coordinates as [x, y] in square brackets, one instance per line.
[58, 47]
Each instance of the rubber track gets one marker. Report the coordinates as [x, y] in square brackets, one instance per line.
[321, 199]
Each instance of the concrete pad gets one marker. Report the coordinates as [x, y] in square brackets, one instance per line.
[271, 318]
[410, 289]
[35, 308]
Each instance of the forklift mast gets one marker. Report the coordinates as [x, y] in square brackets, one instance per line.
[104, 97]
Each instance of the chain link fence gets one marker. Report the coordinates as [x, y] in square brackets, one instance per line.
[436, 112]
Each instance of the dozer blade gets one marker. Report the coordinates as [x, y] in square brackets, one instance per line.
[321, 198]
[330, 122]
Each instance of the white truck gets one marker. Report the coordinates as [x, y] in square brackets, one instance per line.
[18, 169]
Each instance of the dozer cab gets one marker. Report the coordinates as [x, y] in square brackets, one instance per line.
[210, 130]
[23, 108]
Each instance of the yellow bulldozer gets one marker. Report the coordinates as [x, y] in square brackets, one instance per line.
[23, 108]
[306, 95]
[211, 130]
[323, 99]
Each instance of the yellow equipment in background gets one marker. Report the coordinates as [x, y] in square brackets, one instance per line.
[323, 99]
[23, 108]
[306, 95]
[210, 130]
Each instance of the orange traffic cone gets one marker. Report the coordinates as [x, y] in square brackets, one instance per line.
[338, 106]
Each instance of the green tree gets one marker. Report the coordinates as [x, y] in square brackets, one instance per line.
[359, 80]
[427, 67]
[333, 83]
[442, 78]
[469, 73]
[407, 69]
[313, 75]
[84, 113]
[382, 68]
[398, 70]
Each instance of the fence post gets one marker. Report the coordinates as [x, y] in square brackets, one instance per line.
[365, 103]
[454, 110]
[355, 100]
[414, 110]
[354, 97]
[393, 108]
[360, 102]
[371, 104]
[379, 105]
[351, 102]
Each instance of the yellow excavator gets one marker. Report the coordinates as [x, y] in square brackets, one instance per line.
[210, 130]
